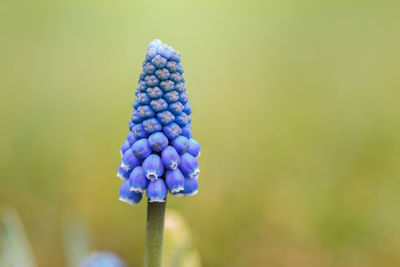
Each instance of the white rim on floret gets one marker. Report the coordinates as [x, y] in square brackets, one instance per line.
[127, 200]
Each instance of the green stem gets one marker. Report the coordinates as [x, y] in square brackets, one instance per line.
[154, 234]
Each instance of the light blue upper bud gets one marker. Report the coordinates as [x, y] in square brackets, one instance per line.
[155, 43]
[158, 141]
[171, 97]
[158, 105]
[141, 148]
[180, 87]
[182, 119]
[149, 69]
[138, 131]
[135, 117]
[143, 99]
[172, 66]
[151, 125]
[137, 180]
[156, 191]
[130, 160]
[190, 188]
[189, 165]
[128, 196]
[125, 146]
[162, 74]
[172, 130]
[165, 117]
[165, 51]
[145, 111]
[159, 62]
[194, 148]
[151, 80]
[170, 158]
[151, 53]
[187, 108]
[154, 92]
[167, 85]
[176, 108]
[174, 180]
[153, 167]
[176, 56]
[176, 77]
[183, 98]
[181, 144]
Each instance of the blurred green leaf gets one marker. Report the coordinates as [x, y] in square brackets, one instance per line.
[15, 248]
[76, 242]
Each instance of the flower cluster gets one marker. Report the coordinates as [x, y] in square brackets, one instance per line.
[159, 154]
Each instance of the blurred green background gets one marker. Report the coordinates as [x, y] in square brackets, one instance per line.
[296, 105]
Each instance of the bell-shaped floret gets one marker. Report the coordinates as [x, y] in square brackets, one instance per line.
[129, 160]
[153, 167]
[128, 196]
[156, 191]
[170, 158]
[137, 180]
[174, 180]
[189, 166]
[190, 188]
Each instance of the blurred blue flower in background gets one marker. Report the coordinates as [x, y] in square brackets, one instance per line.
[102, 259]
[159, 154]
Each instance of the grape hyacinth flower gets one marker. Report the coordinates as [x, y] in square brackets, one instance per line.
[159, 153]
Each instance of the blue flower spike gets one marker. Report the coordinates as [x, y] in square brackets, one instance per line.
[159, 153]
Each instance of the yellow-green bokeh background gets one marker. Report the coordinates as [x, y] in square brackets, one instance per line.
[296, 105]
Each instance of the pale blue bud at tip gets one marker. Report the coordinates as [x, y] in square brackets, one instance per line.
[128, 196]
[129, 160]
[181, 144]
[154, 44]
[137, 180]
[165, 51]
[189, 166]
[170, 158]
[191, 187]
[194, 148]
[174, 180]
[158, 141]
[153, 167]
[125, 146]
[176, 56]
[141, 148]
[156, 191]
